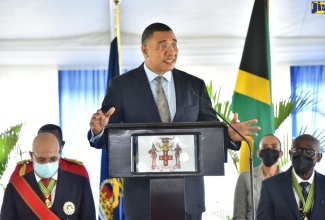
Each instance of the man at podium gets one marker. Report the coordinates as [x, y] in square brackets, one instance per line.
[158, 92]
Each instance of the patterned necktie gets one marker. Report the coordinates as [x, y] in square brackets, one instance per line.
[304, 186]
[162, 102]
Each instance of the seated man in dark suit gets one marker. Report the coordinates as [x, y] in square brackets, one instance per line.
[299, 192]
[48, 192]
[25, 166]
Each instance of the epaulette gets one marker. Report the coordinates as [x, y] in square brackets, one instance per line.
[73, 161]
[24, 162]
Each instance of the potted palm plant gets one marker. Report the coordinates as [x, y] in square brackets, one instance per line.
[282, 111]
[8, 141]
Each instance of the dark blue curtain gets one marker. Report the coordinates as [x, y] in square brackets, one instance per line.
[309, 80]
[105, 182]
[80, 94]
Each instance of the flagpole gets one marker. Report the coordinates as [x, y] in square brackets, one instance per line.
[117, 30]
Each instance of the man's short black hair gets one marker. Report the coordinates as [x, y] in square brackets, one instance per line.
[307, 136]
[49, 128]
[151, 29]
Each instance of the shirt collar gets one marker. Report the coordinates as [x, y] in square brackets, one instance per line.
[151, 75]
[299, 180]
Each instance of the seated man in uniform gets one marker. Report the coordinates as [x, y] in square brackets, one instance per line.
[48, 192]
[25, 166]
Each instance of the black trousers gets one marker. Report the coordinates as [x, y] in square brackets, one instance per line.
[187, 217]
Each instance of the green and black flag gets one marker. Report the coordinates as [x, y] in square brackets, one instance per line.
[252, 95]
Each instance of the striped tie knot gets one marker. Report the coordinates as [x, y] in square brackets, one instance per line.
[304, 186]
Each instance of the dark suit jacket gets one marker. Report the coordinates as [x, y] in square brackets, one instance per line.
[133, 100]
[277, 199]
[70, 187]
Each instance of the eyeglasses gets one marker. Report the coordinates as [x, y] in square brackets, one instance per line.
[166, 46]
[43, 160]
[308, 152]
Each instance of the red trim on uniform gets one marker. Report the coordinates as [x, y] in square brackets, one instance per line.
[32, 199]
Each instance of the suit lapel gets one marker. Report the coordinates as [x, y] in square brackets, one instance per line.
[258, 173]
[31, 179]
[180, 90]
[142, 87]
[60, 188]
[287, 190]
[319, 199]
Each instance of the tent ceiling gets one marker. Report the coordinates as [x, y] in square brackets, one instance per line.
[217, 28]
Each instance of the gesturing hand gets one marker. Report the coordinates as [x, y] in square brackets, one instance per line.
[99, 120]
[244, 128]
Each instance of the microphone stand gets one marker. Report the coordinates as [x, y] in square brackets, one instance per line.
[245, 139]
[251, 179]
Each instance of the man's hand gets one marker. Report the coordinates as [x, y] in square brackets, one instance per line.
[99, 120]
[244, 129]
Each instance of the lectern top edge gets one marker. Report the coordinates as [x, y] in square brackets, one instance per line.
[131, 153]
[167, 125]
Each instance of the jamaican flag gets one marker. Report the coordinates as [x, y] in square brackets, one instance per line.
[252, 94]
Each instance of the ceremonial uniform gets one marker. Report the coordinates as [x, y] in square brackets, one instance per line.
[74, 166]
[73, 199]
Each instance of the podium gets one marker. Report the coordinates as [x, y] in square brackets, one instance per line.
[166, 154]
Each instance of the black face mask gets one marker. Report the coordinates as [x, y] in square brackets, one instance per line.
[302, 164]
[269, 156]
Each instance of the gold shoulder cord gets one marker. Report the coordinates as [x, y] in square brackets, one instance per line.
[73, 161]
[22, 170]
[24, 163]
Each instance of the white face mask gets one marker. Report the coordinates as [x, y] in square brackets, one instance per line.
[46, 170]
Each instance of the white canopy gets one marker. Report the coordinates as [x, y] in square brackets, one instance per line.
[78, 32]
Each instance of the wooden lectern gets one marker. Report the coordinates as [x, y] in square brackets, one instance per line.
[166, 153]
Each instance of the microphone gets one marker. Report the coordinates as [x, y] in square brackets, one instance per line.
[244, 138]
[220, 116]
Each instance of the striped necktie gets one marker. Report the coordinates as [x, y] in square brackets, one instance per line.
[304, 186]
[162, 102]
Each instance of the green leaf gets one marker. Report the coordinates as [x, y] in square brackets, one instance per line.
[8, 140]
[282, 110]
[294, 104]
